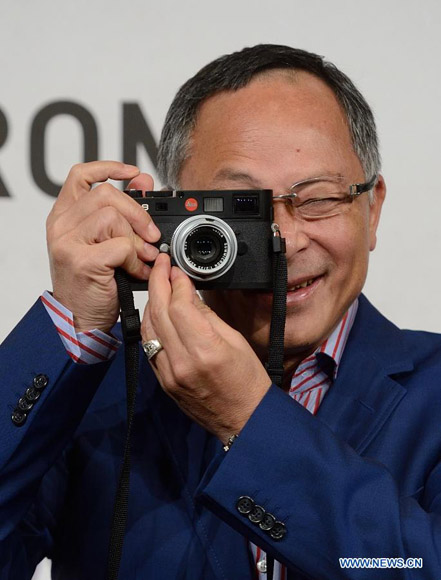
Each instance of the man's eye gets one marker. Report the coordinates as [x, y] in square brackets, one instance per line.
[320, 201]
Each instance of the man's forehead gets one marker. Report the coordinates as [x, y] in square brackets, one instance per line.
[301, 88]
[241, 132]
[274, 103]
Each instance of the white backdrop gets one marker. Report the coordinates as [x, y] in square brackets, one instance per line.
[103, 53]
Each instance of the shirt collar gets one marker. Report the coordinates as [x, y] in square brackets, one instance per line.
[329, 354]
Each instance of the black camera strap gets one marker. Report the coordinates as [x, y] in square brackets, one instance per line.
[131, 326]
[274, 366]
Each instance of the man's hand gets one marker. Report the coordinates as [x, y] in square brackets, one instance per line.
[90, 232]
[206, 366]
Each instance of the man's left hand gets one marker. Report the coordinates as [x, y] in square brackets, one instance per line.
[206, 366]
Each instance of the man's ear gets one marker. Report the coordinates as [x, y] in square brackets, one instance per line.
[379, 194]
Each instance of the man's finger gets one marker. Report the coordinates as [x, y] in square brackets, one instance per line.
[192, 319]
[105, 197]
[82, 176]
[143, 182]
[118, 252]
[158, 305]
[182, 286]
[160, 362]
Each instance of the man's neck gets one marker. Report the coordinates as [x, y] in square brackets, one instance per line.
[290, 364]
[290, 367]
[331, 346]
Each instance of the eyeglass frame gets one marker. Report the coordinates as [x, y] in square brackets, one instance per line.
[355, 189]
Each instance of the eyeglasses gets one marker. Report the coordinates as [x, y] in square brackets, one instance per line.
[319, 197]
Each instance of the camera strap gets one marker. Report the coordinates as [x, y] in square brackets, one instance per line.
[131, 327]
[274, 366]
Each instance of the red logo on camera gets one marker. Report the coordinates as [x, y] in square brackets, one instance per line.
[191, 204]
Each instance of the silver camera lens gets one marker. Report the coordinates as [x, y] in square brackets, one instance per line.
[204, 247]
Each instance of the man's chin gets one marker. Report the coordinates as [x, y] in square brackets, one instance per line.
[247, 311]
[250, 312]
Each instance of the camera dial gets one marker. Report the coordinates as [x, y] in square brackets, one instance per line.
[204, 247]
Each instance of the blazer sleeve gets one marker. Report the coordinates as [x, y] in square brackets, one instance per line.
[328, 502]
[33, 357]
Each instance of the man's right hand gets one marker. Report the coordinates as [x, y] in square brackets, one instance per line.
[90, 232]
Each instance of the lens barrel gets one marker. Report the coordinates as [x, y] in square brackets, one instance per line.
[204, 246]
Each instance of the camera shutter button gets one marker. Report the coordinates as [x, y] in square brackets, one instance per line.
[164, 248]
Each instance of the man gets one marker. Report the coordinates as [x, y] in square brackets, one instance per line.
[360, 479]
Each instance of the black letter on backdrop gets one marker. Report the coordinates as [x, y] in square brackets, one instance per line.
[38, 140]
[136, 131]
[3, 136]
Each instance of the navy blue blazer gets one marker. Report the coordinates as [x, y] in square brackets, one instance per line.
[361, 479]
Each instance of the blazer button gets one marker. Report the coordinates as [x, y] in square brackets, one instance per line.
[32, 394]
[244, 505]
[278, 531]
[24, 404]
[18, 417]
[257, 514]
[40, 382]
[268, 522]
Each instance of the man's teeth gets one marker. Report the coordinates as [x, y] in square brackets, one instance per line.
[302, 285]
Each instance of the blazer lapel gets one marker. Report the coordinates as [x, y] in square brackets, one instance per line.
[365, 393]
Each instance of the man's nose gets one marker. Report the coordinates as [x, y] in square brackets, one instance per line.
[292, 228]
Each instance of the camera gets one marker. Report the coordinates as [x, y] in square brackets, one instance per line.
[221, 239]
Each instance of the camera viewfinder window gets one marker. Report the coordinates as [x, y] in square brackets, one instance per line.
[213, 204]
[246, 204]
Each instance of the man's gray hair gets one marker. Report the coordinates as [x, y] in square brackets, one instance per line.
[236, 70]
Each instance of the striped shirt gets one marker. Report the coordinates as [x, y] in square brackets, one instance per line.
[309, 385]
[83, 347]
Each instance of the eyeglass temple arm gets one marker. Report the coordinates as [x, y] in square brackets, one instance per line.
[358, 188]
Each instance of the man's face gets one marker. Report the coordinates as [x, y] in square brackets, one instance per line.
[268, 135]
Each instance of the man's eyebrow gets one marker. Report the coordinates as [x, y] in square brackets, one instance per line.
[228, 174]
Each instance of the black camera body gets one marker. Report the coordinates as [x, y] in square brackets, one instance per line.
[221, 239]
